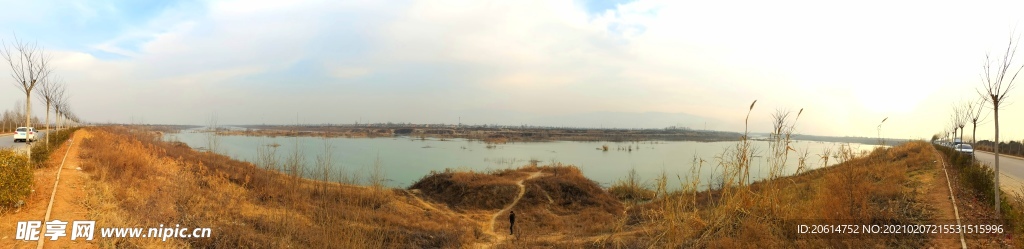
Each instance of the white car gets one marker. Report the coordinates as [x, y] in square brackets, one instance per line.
[965, 148]
[25, 134]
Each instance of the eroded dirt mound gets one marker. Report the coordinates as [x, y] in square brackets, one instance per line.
[469, 190]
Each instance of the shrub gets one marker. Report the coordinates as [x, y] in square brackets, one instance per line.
[468, 190]
[144, 180]
[631, 189]
[15, 178]
[41, 152]
[979, 178]
[972, 175]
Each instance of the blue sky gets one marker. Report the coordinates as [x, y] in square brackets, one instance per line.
[79, 25]
[519, 62]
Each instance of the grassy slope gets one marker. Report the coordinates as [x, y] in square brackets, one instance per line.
[864, 190]
[143, 182]
[560, 208]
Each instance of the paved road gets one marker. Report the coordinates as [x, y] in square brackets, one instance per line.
[1008, 166]
[7, 141]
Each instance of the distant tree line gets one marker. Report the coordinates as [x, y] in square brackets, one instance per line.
[1012, 148]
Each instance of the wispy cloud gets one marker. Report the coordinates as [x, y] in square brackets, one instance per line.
[430, 61]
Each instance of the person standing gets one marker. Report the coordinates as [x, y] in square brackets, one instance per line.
[511, 221]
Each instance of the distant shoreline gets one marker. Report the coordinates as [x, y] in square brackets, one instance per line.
[503, 134]
[488, 134]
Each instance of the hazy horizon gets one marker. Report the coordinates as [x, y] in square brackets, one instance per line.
[625, 64]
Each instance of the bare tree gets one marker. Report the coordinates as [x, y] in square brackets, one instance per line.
[65, 115]
[57, 111]
[960, 117]
[976, 117]
[60, 100]
[29, 65]
[16, 115]
[74, 119]
[6, 120]
[953, 126]
[47, 92]
[213, 142]
[997, 81]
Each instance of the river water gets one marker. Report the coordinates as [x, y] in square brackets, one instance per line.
[405, 159]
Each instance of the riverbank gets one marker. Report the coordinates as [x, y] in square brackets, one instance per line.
[136, 180]
[489, 134]
[407, 159]
[896, 186]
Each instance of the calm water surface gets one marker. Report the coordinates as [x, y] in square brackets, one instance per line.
[405, 160]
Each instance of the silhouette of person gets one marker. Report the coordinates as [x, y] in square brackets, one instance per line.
[511, 221]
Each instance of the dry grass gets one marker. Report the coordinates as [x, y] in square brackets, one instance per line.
[496, 139]
[871, 189]
[16, 171]
[566, 203]
[145, 182]
[976, 182]
[469, 190]
[874, 189]
[142, 182]
[41, 150]
[631, 189]
[561, 208]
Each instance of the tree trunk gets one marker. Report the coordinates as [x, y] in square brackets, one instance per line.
[974, 134]
[996, 111]
[28, 121]
[961, 135]
[47, 124]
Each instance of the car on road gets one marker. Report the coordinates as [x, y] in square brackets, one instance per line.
[25, 134]
[965, 148]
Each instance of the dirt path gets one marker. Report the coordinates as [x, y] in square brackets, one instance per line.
[67, 205]
[502, 237]
[427, 206]
[971, 210]
[941, 195]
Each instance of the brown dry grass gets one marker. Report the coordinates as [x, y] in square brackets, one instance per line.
[875, 189]
[560, 208]
[632, 189]
[142, 182]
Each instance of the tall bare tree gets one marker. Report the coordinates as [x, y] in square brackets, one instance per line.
[997, 80]
[29, 65]
[47, 92]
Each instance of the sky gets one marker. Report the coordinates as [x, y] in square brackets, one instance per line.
[627, 64]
